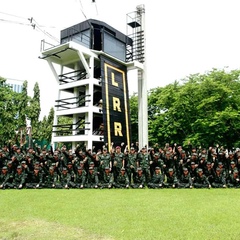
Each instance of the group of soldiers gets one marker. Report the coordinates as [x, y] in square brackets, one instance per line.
[119, 167]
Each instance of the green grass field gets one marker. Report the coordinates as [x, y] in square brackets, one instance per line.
[120, 214]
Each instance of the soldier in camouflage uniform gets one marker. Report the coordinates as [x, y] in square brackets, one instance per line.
[64, 180]
[5, 179]
[219, 180]
[139, 179]
[185, 180]
[105, 161]
[107, 181]
[81, 177]
[171, 179]
[143, 162]
[92, 178]
[157, 179]
[36, 179]
[201, 181]
[118, 161]
[51, 178]
[131, 167]
[234, 180]
[19, 178]
[122, 180]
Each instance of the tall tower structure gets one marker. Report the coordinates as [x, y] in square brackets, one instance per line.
[90, 67]
[136, 30]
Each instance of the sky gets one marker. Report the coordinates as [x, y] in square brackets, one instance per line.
[183, 37]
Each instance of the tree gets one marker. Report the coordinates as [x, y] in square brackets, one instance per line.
[8, 112]
[202, 109]
[34, 111]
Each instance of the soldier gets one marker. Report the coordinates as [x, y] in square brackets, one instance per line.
[171, 179]
[65, 179]
[51, 178]
[157, 179]
[193, 171]
[233, 180]
[71, 171]
[219, 180]
[139, 179]
[105, 161]
[132, 164]
[201, 180]
[107, 181]
[156, 162]
[81, 177]
[36, 179]
[122, 180]
[19, 178]
[5, 179]
[92, 178]
[118, 161]
[185, 180]
[144, 159]
[209, 172]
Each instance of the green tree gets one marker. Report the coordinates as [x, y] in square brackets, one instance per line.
[8, 112]
[34, 110]
[202, 109]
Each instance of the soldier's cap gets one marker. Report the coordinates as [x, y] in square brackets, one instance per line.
[106, 168]
[37, 163]
[193, 163]
[64, 169]
[220, 163]
[91, 163]
[194, 154]
[104, 149]
[182, 151]
[10, 162]
[218, 169]
[232, 162]
[235, 171]
[132, 148]
[4, 168]
[157, 168]
[122, 169]
[80, 168]
[209, 162]
[69, 163]
[185, 169]
[90, 168]
[155, 154]
[23, 162]
[19, 167]
[203, 156]
[81, 162]
[94, 153]
[41, 154]
[36, 168]
[200, 170]
[170, 169]
[53, 164]
[51, 168]
[139, 169]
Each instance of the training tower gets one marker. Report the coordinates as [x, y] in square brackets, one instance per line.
[90, 66]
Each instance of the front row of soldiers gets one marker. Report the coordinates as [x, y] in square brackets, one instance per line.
[93, 179]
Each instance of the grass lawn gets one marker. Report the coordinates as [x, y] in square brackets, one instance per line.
[120, 214]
